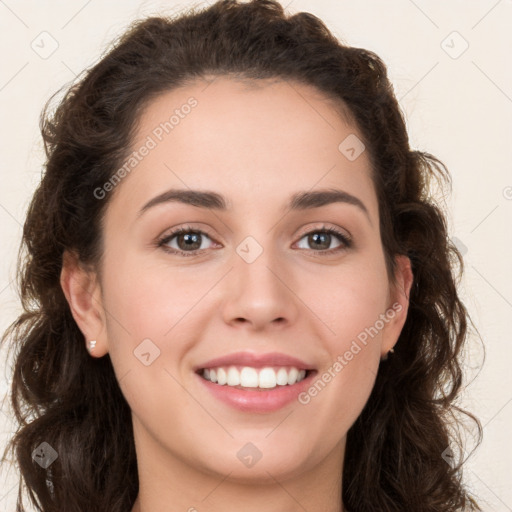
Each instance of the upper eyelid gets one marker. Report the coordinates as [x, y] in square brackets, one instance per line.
[325, 227]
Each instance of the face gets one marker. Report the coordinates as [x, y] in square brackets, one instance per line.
[267, 265]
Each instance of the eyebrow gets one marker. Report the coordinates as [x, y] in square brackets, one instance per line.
[304, 200]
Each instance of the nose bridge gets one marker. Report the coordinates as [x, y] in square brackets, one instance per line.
[258, 291]
[257, 267]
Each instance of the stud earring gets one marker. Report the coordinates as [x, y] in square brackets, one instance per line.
[92, 344]
[390, 351]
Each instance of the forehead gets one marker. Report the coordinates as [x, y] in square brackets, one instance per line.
[253, 141]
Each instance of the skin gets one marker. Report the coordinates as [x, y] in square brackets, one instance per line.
[256, 146]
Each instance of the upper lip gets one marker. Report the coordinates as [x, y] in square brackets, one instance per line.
[255, 360]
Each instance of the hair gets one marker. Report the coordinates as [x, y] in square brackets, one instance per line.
[396, 450]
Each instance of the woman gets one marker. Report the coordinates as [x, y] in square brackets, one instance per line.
[234, 226]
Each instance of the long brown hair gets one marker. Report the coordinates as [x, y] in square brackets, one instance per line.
[398, 452]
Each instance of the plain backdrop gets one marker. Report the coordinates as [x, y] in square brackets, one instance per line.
[450, 65]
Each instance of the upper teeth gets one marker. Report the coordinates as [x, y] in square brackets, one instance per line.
[249, 377]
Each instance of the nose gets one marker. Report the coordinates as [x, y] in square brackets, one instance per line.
[260, 294]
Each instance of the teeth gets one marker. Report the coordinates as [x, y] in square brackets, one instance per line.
[267, 378]
[292, 375]
[222, 378]
[248, 377]
[233, 377]
[282, 377]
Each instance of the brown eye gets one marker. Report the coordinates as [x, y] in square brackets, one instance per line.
[322, 239]
[184, 240]
[190, 241]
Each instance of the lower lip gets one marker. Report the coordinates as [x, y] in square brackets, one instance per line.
[258, 401]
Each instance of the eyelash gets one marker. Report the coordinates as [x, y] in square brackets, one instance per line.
[346, 241]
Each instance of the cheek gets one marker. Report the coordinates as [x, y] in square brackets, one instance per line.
[351, 306]
[148, 300]
[342, 387]
[351, 300]
[153, 315]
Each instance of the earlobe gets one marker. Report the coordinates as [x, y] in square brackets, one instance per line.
[82, 291]
[399, 303]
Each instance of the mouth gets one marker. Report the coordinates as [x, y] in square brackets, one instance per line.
[251, 389]
[255, 379]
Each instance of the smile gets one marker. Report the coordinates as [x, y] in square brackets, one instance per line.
[252, 398]
[249, 377]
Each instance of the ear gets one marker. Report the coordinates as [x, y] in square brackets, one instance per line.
[83, 293]
[398, 304]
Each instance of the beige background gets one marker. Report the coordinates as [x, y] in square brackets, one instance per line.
[458, 105]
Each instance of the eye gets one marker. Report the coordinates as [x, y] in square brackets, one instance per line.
[321, 239]
[188, 240]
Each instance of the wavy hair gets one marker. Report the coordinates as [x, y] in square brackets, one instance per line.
[396, 450]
